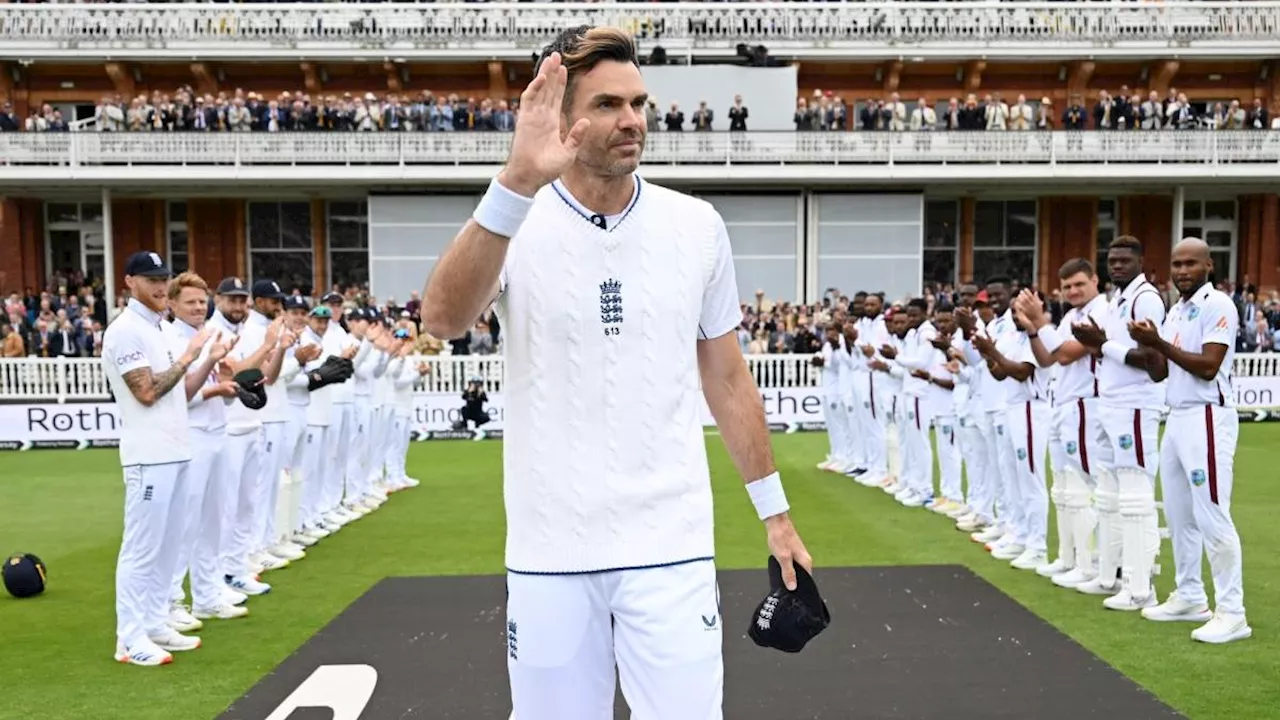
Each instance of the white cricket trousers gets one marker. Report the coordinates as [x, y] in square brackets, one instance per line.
[243, 481]
[871, 424]
[838, 430]
[1083, 453]
[376, 458]
[315, 443]
[1029, 424]
[917, 452]
[855, 439]
[275, 455]
[1127, 494]
[660, 627]
[337, 445]
[981, 465]
[153, 503]
[357, 456]
[1196, 475]
[202, 520]
[949, 462]
[395, 448]
[289, 502]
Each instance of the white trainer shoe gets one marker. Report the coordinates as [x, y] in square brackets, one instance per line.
[174, 641]
[180, 619]
[225, 611]
[1223, 628]
[973, 524]
[315, 532]
[1007, 551]
[988, 535]
[1072, 578]
[1126, 602]
[959, 511]
[287, 551]
[270, 562]
[247, 585]
[1096, 586]
[143, 653]
[1049, 569]
[1176, 609]
[302, 538]
[1029, 560]
[233, 597]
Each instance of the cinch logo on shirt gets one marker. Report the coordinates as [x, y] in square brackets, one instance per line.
[130, 358]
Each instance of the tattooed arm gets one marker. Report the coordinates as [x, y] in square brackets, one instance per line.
[149, 387]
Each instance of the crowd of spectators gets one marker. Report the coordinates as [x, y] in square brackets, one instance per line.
[423, 111]
[67, 317]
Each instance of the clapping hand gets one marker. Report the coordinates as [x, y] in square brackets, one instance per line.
[1089, 334]
[1144, 332]
[221, 348]
[888, 351]
[922, 374]
[983, 344]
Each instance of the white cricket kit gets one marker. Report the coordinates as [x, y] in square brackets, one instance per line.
[357, 457]
[200, 513]
[838, 430]
[946, 432]
[155, 454]
[1029, 419]
[1085, 452]
[917, 453]
[610, 545]
[875, 403]
[992, 486]
[402, 411]
[276, 447]
[298, 397]
[855, 445]
[315, 439]
[244, 459]
[1130, 404]
[336, 341]
[967, 402]
[1198, 454]
[377, 454]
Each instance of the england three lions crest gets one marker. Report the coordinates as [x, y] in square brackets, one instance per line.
[611, 306]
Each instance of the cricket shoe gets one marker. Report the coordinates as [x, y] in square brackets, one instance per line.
[225, 611]
[855, 472]
[174, 641]
[180, 619]
[1223, 628]
[315, 532]
[347, 513]
[303, 539]
[1049, 569]
[869, 481]
[247, 585]
[1097, 587]
[287, 551]
[988, 535]
[1126, 602]
[974, 524]
[1029, 560]
[335, 519]
[268, 562]
[1008, 550]
[355, 507]
[328, 527]
[826, 464]
[374, 498]
[233, 597]
[1073, 578]
[958, 511]
[1175, 609]
[369, 503]
[143, 653]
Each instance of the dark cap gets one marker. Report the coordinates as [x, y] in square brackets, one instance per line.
[296, 302]
[787, 620]
[147, 264]
[24, 575]
[359, 314]
[321, 311]
[232, 286]
[332, 297]
[267, 289]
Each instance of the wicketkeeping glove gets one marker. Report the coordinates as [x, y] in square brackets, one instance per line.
[330, 371]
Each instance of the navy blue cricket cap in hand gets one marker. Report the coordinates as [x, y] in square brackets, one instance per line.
[787, 620]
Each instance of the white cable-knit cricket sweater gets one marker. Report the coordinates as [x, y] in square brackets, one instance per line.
[604, 456]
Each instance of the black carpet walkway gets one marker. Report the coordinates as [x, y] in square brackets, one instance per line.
[906, 642]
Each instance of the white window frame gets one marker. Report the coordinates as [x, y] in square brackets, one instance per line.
[1004, 246]
[328, 236]
[170, 225]
[955, 249]
[80, 225]
[1216, 225]
[249, 249]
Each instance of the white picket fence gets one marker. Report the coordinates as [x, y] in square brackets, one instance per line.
[82, 379]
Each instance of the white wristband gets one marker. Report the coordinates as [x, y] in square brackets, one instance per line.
[1050, 338]
[1113, 350]
[502, 211]
[768, 497]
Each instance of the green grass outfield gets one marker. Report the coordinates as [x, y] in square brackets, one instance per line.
[65, 506]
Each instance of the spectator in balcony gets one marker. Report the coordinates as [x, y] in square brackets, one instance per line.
[738, 115]
[1020, 115]
[951, 116]
[651, 116]
[895, 113]
[702, 117]
[1074, 117]
[108, 116]
[972, 117]
[1151, 112]
[36, 122]
[441, 115]
[871, 116]
[239, 117]
[674, 119]
[463, 112]
[1180, 115]
[923, 117]
[1257, 117]
[1104, 112]
[8, 121]
[996, 112]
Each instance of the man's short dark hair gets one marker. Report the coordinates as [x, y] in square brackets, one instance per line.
[1127, 242]
[919, 304]
[583, 47]
[999, 280]
[860, 295]
[1075, 266]
[943, 307]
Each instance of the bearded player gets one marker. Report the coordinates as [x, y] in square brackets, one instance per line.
[618, 298]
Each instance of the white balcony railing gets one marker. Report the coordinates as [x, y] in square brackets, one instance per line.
[509, 30]
[82, 379]
[234, 150]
